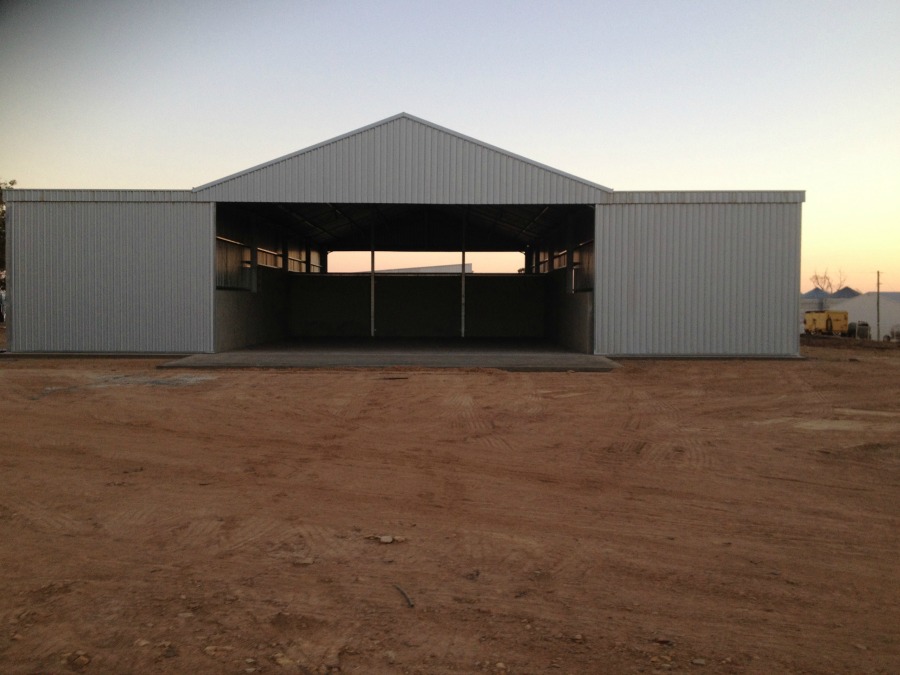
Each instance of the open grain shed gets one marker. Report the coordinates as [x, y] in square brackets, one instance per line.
[244, 260]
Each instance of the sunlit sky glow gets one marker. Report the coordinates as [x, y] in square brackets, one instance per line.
[638, 95]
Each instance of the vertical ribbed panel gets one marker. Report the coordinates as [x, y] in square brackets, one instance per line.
[405, 161]
[111, 277]
[697, 279]
[709, 197]
[100, 196]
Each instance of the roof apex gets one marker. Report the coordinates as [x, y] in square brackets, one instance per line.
[388, 120]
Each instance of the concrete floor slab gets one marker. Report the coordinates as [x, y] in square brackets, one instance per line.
[503, 355]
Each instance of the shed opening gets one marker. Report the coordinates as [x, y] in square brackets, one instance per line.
[274, 282]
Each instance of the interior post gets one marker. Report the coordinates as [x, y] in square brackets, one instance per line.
[372, 280]
[462, 276]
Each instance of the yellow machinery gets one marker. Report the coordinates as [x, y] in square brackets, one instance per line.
[828, 322]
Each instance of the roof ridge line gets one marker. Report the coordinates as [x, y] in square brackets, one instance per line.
[508, 153]
[302, 151]
[393, 118]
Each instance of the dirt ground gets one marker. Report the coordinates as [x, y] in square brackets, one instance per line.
[700, 516]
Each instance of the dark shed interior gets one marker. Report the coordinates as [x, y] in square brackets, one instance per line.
[273, 281]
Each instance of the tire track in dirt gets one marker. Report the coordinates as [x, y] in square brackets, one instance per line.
[276, 465]
[299, 544]
[229, 535]
[37, 610]
[800, 381]
[52, 521]
[564, 394]
[655, 435]
[495, 442]
[134, 517]
[321, 542]
[201, 531]
[49, 650]
[349, 404]
[530, 404]
[624, 451]
[460, 407]
[494, 432]
[474, 571]
[494, 550]
[650, 418]
[648, 450]
[686, 453]
[542, 576]
[237, 534]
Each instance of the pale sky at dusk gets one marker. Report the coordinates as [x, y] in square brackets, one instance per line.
[638, 95]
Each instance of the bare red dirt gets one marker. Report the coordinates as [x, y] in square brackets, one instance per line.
[688, 516]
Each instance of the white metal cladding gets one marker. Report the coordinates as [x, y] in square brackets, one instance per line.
[111, 277]
[99, 196]
[409, 161]
[697, 279]
[709, 197]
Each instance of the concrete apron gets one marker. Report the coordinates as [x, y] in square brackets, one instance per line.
[512, 356]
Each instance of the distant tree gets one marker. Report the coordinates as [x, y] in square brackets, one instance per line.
[824, 282]
[4, 185]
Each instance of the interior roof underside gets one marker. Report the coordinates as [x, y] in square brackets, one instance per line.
[419, 227]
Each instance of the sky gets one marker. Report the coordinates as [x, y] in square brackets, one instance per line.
[636, 95]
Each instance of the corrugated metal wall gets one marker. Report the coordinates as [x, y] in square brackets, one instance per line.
[406, 161]
[698, 279]
[111, 276]
[708, 197]
[100, 196]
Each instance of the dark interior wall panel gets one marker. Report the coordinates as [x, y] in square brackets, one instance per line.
[570, 316]
[417, 306]
[328, 305]
[245, 318]
[513, 306]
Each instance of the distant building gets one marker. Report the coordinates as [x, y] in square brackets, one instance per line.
[817, 299]
[864, 307]
[844, 293]
[430, 269]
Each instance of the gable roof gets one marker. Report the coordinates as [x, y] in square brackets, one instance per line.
[404, 159]
[818, 293]
[845, 292]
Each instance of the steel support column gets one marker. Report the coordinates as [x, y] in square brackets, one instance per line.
[462, 276]
[372, 280]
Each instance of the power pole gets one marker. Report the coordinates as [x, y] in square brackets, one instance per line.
[878, 307]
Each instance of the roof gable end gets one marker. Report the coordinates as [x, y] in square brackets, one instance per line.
[404, 159]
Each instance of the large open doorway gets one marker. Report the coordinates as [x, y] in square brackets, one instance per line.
[274, 281]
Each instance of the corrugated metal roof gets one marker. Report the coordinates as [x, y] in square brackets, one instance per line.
[404, 159]
[845, 292]
[100, 196]
[709, 197]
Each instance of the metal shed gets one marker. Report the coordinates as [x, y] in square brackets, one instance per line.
[244, 259]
